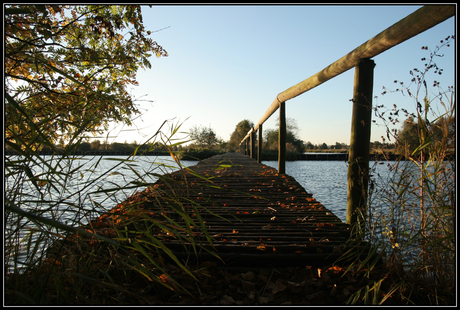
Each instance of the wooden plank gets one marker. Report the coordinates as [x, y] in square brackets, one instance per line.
[270, 218]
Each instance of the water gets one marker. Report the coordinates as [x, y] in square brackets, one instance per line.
[326, 180]
[87, 191]
[88, 183]
[92, 181]
[76, 191]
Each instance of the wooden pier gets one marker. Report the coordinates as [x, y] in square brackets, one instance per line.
[260, 218]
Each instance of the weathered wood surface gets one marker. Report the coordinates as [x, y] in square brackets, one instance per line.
[270, 219]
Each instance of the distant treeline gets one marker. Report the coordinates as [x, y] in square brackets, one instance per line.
[194, 152]
[97, 148]
[199, 154]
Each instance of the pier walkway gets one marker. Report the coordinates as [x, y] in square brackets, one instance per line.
[259, 217]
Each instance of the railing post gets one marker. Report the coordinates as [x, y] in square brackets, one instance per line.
[259, 143]
[282, 140]
[358, 162]
[252, 141]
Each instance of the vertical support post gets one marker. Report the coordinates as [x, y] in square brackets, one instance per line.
[282, 140]
[259, 148]
[358, 162]
[252, 141]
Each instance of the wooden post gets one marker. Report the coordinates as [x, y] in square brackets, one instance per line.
[358, 162]
[259, 149]
[252, 141]
[282, 140]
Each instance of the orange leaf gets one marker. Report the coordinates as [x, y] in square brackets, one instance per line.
[335, 268]
[164, 278]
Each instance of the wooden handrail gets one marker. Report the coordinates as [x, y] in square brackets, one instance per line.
[360, 58]
[408, 27]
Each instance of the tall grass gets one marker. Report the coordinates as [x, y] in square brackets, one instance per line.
[72, 236]
[411, 212]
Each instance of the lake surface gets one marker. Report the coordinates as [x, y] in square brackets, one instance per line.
[97, 178]
[91, 181]
[87, 187]
[326, 180]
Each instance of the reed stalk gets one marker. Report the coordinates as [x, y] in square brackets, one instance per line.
[76, 237]
[412, 211]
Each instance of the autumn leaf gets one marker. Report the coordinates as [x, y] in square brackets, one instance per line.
[276, 287]
[75, 68]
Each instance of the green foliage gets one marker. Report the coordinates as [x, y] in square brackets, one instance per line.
[84, 147]
[204, 137]
[67, 69]
[293, 143]
[95, 145]
[241, 129]
[409, 136]
[121, 147]
[309, 146]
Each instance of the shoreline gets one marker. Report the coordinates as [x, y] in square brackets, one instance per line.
[267, 156]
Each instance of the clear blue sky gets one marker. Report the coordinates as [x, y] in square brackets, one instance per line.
[228, 63]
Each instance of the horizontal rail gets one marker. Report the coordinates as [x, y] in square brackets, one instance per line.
[408, 27]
